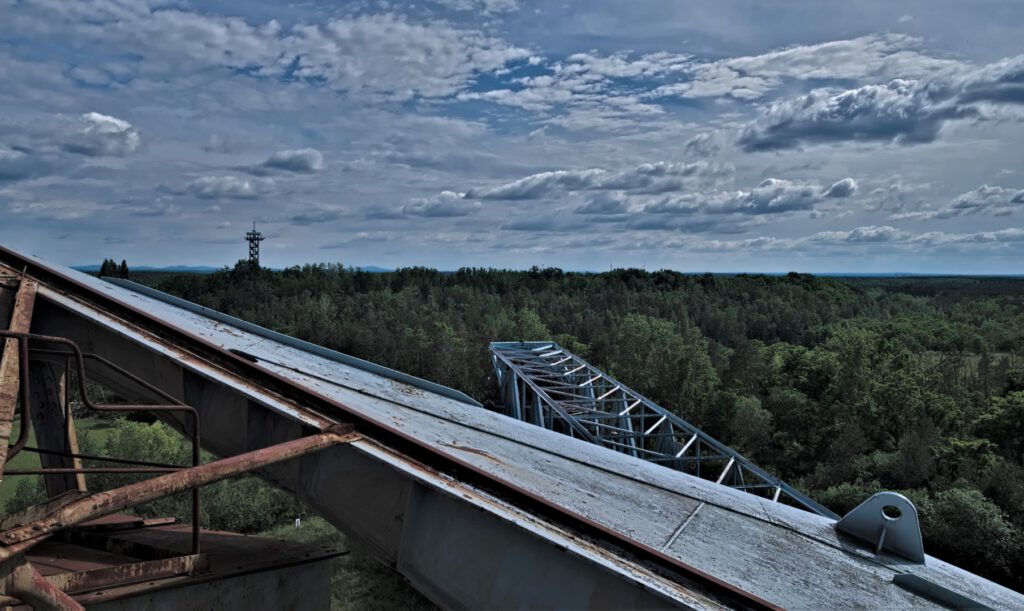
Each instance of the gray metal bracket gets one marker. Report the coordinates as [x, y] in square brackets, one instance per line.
[888, 521]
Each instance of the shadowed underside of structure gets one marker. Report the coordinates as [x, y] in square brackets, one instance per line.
[475, 509]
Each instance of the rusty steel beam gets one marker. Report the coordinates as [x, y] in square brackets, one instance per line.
[83, 470]
[12, 365]
[26, 584]
[99, 504]
[125, 574]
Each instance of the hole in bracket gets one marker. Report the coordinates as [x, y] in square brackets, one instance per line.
[892, 512]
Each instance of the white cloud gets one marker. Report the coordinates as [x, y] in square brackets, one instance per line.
[843, 188]
[771, 196]
[386, 55]
[487, 7]
[900, 111]
[656, 177]
[879, 57]
[229, 187]
[98, 135]
[998, 201]
[446, 204]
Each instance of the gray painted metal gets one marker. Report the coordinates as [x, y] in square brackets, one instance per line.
[390, 502]
[546, 385]
[888, 521]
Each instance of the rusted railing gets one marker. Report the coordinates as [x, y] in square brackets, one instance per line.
[74, 355]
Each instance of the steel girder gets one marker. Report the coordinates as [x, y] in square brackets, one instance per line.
[546, 385]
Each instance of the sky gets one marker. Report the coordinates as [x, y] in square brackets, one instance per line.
[757, 135]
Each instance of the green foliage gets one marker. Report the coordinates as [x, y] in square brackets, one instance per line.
[841, 386]
[243, 504]
[963, 522]
[27, 492]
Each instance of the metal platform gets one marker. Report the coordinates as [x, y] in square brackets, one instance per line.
[123, 562]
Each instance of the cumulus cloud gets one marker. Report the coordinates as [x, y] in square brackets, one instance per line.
[228, 187]
[487, 7]
[843, 188]
[657, 177]
[771, 196]
[443, 205]
[98, 135]
[866, 237]
[300, 161]
[387, 54]
[604, 204]
[901, 111]
[870, 233]
[999, 82]
[875, 56]
[998, 201]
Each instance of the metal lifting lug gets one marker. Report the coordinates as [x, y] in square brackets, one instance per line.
[888, 521]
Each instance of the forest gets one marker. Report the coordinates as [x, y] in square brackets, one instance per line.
[841, 386]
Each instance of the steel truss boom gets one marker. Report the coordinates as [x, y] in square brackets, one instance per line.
[546, 385]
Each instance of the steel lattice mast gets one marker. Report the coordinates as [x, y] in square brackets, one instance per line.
[544, 384]
[254, 238]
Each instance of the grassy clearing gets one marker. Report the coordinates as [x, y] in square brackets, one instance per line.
[358, 581]
[94, 427]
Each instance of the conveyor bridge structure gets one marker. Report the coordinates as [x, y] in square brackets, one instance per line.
[475, 509]
[546, 385]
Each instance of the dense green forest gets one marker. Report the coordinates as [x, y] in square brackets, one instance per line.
[842, 387]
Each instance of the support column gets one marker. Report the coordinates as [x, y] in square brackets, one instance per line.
[46, 388]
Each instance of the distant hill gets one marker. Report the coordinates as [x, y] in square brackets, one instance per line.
[191, 269]
[203, 269]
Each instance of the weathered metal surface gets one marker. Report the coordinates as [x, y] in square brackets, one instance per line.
[102, 503]
[48, 435]
[888, 521]
[597, 506]
[124, 574]
[546, 385]
[48, 421]
[26, 584]
[122, 562]
[12, 378]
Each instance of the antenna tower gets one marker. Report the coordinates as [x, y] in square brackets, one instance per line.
[254, 238]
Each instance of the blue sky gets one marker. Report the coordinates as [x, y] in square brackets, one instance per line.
[698, 136]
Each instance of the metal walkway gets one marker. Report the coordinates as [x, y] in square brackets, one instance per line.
[546, 385]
